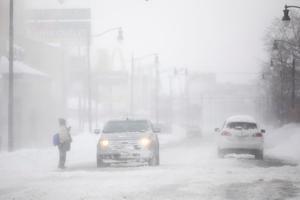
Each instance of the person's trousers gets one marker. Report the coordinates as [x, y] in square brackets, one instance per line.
[62, 157]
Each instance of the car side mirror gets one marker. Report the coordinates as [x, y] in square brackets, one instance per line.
[217, 130]
[97, 131]
[263, 131]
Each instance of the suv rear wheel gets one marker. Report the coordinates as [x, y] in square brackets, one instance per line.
[259, 155]
[221, 153]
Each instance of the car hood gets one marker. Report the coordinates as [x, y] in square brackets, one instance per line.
[124, 136]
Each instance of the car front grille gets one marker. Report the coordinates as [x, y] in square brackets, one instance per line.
[124, 145]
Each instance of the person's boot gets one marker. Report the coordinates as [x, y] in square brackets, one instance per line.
[61, 166]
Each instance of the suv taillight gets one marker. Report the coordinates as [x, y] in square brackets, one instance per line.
[258, 135]
[225, 133]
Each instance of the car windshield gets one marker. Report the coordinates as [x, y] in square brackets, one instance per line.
[126, 126]
[241, 125]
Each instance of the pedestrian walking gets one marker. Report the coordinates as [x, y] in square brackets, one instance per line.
[65, 140]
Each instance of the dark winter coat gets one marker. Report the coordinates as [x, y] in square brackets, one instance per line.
[66, 146]
[65, 139]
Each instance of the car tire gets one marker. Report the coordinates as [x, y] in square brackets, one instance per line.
[157, 159]
[221, 153]
[157, 155]
[100, 163]
[154, 161]
[259, 155]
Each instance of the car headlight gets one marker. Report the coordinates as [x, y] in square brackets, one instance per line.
[104, 143]
[145, 141]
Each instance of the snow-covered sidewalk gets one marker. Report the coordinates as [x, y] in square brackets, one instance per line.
[188, 170]
[284, 143]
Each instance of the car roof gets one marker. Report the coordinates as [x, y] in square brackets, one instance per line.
[241, 118]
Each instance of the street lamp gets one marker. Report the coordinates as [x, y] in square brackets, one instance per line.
[156, 61]
[120, 38]
[286, 11]
[119, 29]
[286, 16]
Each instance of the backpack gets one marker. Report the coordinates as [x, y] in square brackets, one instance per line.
[55, 139]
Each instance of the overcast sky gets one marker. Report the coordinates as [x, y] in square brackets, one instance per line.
[223, 36]
[207, 35]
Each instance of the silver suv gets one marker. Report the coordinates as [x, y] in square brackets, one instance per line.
[124, 141]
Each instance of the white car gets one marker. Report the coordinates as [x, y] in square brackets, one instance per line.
[241, 135]
[124, 141]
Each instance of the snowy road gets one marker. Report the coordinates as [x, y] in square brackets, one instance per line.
[188, 170]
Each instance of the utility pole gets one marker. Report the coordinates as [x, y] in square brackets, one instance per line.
[187, 95]
[89, 82]
[171, 98]
[89, 75]
[282, 100]
[156, 89]
[293, 82]
[131, 86]
[11, 79]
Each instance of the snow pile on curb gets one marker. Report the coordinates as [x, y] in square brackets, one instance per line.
[284, 142]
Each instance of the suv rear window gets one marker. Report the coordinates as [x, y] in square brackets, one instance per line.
[241, 125]
[126, 126]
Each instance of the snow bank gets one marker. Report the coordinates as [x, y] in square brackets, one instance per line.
[19, 68]
[284, 142]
